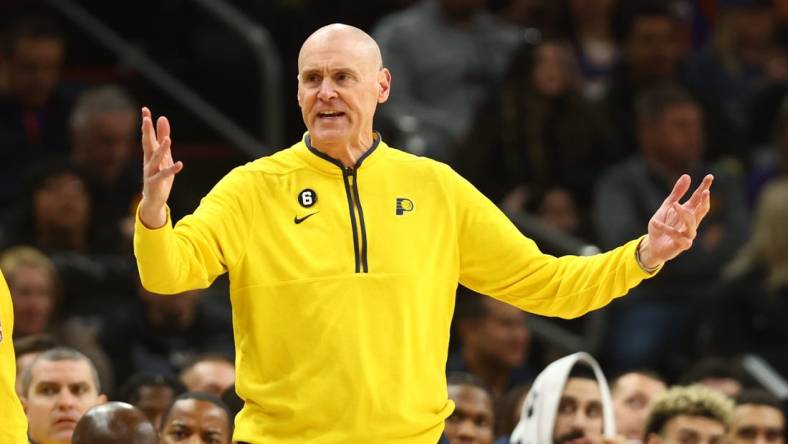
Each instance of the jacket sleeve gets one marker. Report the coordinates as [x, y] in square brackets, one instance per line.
[202, 245]
[499, 261]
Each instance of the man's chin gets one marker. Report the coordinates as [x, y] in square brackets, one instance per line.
[573, 438]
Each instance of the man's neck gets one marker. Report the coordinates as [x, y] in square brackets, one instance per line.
[347, 153]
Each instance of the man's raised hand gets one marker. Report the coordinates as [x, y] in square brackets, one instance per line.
[158, 170]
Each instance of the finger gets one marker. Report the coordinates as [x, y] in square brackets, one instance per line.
[154, 163]
[687, 218]
[679, 189]
[705, 205]
[695, 200]
[162, 128]
[148, 134]
[679, 238]
[171, 170]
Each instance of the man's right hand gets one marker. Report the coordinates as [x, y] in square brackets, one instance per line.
[158, 170]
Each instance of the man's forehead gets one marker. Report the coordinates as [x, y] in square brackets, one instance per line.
[339, 43]
[582, 389]
[66, 371]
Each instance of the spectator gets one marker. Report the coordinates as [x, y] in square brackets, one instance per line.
[473, 419]
[209, 373]
[114, 423]
[723, 375]
[537, 132]
[34, 107]
[195, 415]
[58, 388]
[689, 414]
[160, 334]
[35, 290]
[745, 56]
[672, 140]
[569, 401]
[446, 56]
[653, 56]
[633, 394]
[494, 341]
[757, 418]
[151, 394]
[27, 350]
[749, 310]
[104, 127]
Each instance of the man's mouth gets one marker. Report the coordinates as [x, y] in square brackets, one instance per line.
[330, 114]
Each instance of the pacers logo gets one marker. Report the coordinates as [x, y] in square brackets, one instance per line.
[404, 205]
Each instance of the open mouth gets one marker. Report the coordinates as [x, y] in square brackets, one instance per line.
[330, 114]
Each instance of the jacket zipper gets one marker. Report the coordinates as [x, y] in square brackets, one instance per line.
[354, 205]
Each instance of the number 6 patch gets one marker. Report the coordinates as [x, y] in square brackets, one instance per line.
[307, 198]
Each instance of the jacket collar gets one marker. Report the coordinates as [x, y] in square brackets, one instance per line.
[323, 162]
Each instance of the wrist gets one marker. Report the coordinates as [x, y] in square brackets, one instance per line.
[152, 216]
[643, 257]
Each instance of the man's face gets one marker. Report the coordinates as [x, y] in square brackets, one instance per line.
[33, 69]
[340, 83]
[210, 376]
[194, 421]
[62, 203]
[690, 430]
[633, 395]
[653, 49]
[502, 335]
[105, 143]
[579, 416]
[675, 138]
[472, 420]
[60, 393]
[153, 401]
[757, 424]
[33, 293]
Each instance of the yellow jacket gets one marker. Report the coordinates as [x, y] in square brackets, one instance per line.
[343, 281]
[13, 423]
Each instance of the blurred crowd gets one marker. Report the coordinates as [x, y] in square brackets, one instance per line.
[580, 112]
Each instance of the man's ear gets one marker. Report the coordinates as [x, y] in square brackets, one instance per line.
[102, 399]
[384, 84]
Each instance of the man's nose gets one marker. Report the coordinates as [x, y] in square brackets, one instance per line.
[327, 90]
[66, 400]
[467, 431]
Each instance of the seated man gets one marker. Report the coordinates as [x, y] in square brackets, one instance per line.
[633, 395]
[114, 423]
[151, 393]
[568, 403]
[57, 389]
[196, 415]
[757, 418]
[472, 420]
[689, 414]
[209, 373]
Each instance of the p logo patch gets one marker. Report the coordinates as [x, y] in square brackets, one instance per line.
[404, 205]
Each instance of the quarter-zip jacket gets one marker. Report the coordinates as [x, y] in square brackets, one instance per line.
[343, 281]
[13, 423]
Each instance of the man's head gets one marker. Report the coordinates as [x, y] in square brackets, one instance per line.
[103, 127]
[209, 373]
[196, 416]
[580, 413]
[717, 373]
[494, 332]
[633, 394]
[757, 419]
[152, 394]
[693, 414]
[341, 80]
[472, 420]
[57, 389]
[114, 423]
[32, 57]
[670, 128]
[34, 286]
[651, 45]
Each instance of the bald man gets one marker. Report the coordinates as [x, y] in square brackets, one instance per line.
[114, 423]
[344, 256]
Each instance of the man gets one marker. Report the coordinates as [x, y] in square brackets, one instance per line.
[689, 414]
[13, 425]
[633, 394]
[494, 342]
[757, 418]
[196, 417]
[344, 256]
[57, 389]
[114, 423]
[472, 420]
[209, 373]
[151, 394]
[671, 142]
[568, 403]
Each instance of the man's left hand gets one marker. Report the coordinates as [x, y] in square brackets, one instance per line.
[674, 226]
